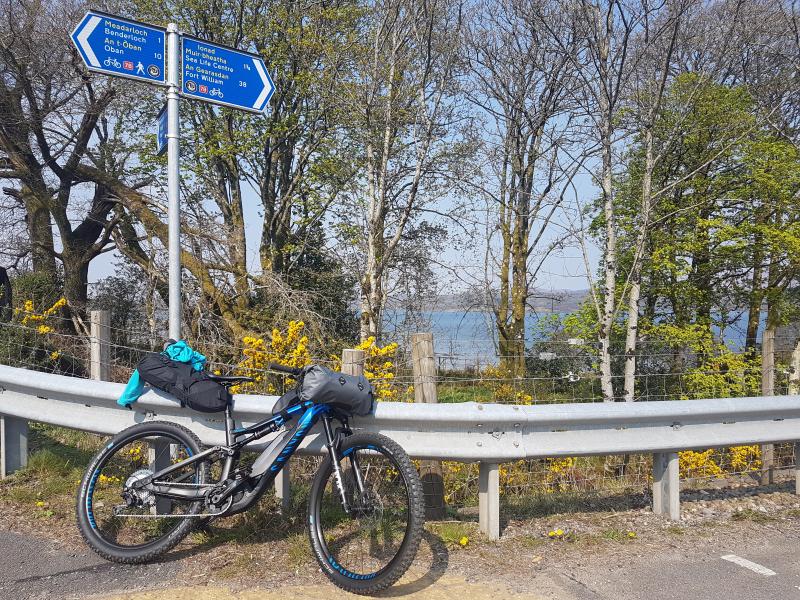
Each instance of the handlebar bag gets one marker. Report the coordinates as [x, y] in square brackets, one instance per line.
[193, 388]
[348, 394]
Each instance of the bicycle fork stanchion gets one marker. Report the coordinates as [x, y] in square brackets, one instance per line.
[489, 500]
[337, 469]
[667, 485]
[13, 445]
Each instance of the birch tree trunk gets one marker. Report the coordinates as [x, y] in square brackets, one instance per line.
[610, 246]
[635, 283]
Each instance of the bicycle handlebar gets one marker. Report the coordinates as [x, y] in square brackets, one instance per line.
[281, 369]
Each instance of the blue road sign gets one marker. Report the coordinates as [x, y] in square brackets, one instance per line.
[161, 136]
[225, 76]
[117, 46]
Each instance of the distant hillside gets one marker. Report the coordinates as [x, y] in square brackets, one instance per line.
[541, 301]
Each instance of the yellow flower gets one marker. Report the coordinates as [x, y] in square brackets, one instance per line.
[631, 534]
[44, 329]
[55, 355]
[40, 504]
[464, 541]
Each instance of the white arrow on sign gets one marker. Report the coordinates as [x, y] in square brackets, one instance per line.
[83, 40]
[267, 85]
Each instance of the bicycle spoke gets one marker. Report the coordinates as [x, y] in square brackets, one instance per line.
[128, 516]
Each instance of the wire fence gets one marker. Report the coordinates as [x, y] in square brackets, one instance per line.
[554, 372]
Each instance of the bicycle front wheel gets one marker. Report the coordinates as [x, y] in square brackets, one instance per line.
[371, 547]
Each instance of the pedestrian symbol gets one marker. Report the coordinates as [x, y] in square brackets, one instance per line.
[117, 46]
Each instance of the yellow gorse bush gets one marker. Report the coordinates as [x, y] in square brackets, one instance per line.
[379, 367]
[710, 463]
[745, 458]
[31, 316]
[289, 348]
[558, 473]
[699, 464]
[502, 390]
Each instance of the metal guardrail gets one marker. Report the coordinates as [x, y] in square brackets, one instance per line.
[486, 433]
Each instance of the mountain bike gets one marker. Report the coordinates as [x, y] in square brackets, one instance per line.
[153, 483]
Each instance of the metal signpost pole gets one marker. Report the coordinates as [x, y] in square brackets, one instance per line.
[199, 69]
[174, 182]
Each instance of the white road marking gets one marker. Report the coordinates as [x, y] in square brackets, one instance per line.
[747, 564]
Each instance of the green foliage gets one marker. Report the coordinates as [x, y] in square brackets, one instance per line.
[23, 341]
[708, 368]
[721, 195]
[38, 287]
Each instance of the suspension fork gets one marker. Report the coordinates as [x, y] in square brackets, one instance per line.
[333, 450]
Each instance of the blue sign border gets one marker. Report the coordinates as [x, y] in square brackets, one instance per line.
[188, 94]
[84, 58]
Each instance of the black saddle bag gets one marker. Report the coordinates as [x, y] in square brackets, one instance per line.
[194, 389]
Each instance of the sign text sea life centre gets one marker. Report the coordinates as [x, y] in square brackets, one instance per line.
[225, 76]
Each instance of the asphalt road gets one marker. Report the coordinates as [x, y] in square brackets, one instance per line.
[768, 569]
[763, 568]
[32, 568]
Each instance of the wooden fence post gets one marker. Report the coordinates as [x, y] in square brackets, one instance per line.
[424, 367]
[353, 362]
[100, 345]
[767, 389]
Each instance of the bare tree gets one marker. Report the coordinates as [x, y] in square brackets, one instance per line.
[51, 119]
[522, 84]
[656, 41]
[403, 113]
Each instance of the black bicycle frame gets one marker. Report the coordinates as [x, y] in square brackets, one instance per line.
[269, 463]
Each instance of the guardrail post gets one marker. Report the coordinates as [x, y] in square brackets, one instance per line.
[100, 345]
[667, 485]
[489, 500]
[159, 457]
[797, 468]
[13, 445]
[283, 488]
[423, 362]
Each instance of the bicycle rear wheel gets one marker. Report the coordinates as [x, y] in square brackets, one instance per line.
[129, 525]
[370, 548]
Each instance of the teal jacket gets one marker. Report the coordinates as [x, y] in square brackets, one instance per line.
[179, 351]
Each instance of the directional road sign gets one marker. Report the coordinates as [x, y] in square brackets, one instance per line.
[117, 46]
[225, 76]
[161, 136]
